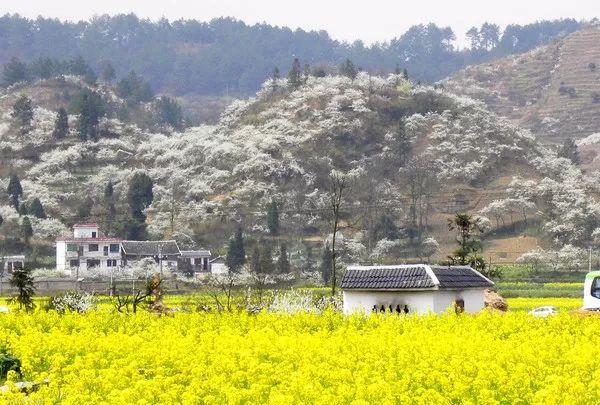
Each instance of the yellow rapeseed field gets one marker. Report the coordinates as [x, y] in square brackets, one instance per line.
[211, 358]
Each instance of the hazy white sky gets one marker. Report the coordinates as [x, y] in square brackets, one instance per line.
[369, 20]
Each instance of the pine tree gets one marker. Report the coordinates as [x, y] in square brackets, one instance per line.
[89, 107]
[23, 112]
[169, 112]
[22, 280]
[326, 264]
[347, 69]
[236, 254]
[295, 75]
[84, 209]
[283, 262]
[14, 188]
[109, 190]
[107, 71]
[255, 260]
[275, 79]
[61, 125]
[405, 74]
[273, 218]
[36, 209]
[569, 150]
[266, 259]
[14, 71]
[26, 230]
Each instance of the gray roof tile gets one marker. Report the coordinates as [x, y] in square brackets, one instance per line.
[459, 277]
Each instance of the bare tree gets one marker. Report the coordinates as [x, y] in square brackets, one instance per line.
[340, 186]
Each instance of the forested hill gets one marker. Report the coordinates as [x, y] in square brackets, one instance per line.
[225, 56]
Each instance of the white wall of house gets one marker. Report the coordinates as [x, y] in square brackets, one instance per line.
[420, 302]
[71, 254]
[85, 231]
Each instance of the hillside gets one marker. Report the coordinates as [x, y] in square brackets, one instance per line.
[554, 90]
[416, 155]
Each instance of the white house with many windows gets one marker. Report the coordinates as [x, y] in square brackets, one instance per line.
[87, 249]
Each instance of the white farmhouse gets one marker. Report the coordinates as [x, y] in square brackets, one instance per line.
[418, 288]
[87, 249]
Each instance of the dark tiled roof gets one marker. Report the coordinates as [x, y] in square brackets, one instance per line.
[387, 278]
[459, 277]
[150, 248]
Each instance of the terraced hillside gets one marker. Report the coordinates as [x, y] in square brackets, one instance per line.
[554, 90]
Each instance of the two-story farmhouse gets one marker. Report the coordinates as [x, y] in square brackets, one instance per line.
[86, 249]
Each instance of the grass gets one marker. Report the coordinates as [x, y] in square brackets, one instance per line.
[540, 290]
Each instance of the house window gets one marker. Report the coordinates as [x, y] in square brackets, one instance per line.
[93, 263]
[114, 248]
[197, 261]
[71, 247]
[111, 263]
[596, 287]
[205, 263]
[74, 263]
[93, 247]
[94, 234]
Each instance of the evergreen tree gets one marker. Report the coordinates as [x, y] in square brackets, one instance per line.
[283, 262]
[139, 197]
[14, 188]
[275, 79]
[326, 264]
[266, 259]
[22, 280]
[23, 112]
[109, 190]
[405, 74]
[84, 209]
[348, 69]
[26, 230]
[78, 66]
[169, 112]
[36, 209]
[386, 229]
[61, 124]
[109, 203]
[44, 68]
[236, 254]
[89, 107]
[134, 89]
[13, 202]
[255, 260]
[295, 75]
[273, 218]
[569, 150]
[107, 72]
[14, 71]
[1, 220]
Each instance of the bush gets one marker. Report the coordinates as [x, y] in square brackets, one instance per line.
[72, 301]
[8, 362]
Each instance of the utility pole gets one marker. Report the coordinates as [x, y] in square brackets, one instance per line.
[590, 261]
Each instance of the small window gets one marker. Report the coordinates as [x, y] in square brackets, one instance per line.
[74, 263]
[94, 235]
[596, 287]
[114, 248]
[197, 261]
[111, 263]
[71, 247]
[93, 247]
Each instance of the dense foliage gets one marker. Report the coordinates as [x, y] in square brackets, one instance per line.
[225, 55]
[305, 357]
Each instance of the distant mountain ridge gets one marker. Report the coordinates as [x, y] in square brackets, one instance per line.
[228, 57]
[554, 90]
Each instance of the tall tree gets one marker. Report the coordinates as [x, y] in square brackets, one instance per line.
[107, 71]
[266, 259]
[169, 112]
[26, 230]
[89, 107]
[273, 218]
[61, 124]
[295, 74]
[325, 267]
[236, 254]
[569, 150]
[283, 262]
[468, 228]
[348, 69]
[109, 207]
[36, 209]
[139, 197]
[22, 280]
[339, 188]
[14, 188]
[14, 71]
[23, 113]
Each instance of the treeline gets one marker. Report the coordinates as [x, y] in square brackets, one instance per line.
[89, 104]
[228, 56]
